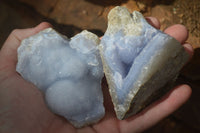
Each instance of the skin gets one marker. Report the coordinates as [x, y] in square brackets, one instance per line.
[22, 107]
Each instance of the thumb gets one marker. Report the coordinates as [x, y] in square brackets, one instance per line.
[8, 53]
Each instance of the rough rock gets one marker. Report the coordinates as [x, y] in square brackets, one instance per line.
[68, 72]
[140, 62]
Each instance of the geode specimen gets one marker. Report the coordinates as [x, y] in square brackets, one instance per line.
[69, 72]
[139, 61]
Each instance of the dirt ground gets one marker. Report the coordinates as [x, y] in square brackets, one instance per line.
[72, 16]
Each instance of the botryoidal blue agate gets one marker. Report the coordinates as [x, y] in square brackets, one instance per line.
[140, 62]
[69, 72]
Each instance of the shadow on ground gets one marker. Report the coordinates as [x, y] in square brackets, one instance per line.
[20, 16]
[108, 2]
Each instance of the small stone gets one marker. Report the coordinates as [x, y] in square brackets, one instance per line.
[68, 72]
[140, 62]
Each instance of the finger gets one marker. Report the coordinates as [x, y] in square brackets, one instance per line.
[18, 35]
[178, 31]
[21, 34]
[154, 22]
[8, 52]
[159, 110]
[189, 49]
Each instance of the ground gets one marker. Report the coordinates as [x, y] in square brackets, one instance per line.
[70, 17]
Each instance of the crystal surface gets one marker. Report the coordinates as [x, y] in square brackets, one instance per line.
[139, 61]
[67, 71]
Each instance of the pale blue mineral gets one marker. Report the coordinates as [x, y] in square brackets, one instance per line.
[68, 72]
[139, 61]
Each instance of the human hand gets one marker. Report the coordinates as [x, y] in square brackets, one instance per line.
[22, 107]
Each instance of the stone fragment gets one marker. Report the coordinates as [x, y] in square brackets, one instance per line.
[68, 72]
[140, 62]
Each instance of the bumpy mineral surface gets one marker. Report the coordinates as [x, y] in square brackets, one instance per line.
[69, 72]
[140, 62]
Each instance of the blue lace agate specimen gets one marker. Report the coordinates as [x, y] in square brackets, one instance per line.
[140, 62]
[69, 72]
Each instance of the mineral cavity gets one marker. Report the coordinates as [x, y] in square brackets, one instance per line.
[68, 72]
[139, 61]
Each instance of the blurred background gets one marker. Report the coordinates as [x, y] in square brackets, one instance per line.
[72, 16]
